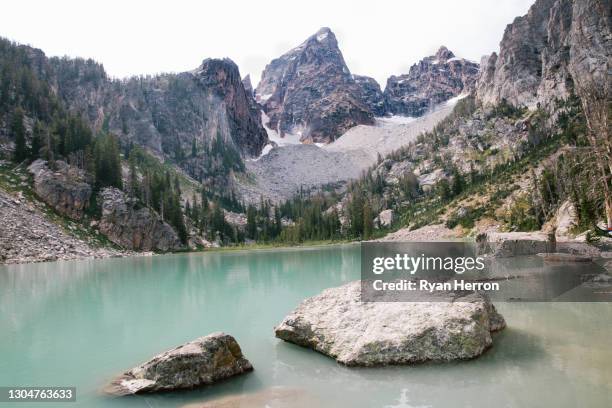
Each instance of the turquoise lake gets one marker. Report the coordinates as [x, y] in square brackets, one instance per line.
[81, 323]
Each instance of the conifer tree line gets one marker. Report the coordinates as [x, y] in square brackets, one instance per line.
[42, 127]
[573, 176]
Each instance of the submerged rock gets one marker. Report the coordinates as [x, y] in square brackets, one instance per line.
[272, 397]
[561, 257]
[203, 361]
[336, 323]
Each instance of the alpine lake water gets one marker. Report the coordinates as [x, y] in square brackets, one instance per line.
[80, 323]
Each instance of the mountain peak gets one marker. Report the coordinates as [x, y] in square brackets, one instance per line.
[323, 34]
[309, 91]
[444, 54]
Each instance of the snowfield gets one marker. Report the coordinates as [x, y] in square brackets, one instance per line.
[286, 164]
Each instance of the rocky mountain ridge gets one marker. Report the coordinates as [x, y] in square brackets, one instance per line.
[544, 53]
[508, 156]
[525, 106]
[167, 114]
[309, 91]
[431, 81]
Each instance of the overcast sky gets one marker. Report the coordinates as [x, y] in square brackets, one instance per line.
[377, 37]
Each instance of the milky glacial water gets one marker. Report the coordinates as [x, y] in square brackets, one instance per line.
[80, 323]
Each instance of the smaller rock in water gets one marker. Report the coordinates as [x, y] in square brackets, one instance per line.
[561, 257]
[273, 397]
[336, 323]
[203, 361]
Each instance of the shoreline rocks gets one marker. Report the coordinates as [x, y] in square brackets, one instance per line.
[337, 324]
[200, 362]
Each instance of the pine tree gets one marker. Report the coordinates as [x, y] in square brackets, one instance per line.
[37, 141]
[133, 177]
[18, 132]
[368, 224]
[251, 227]
[458, 182]
[356, 214]
[107, 162]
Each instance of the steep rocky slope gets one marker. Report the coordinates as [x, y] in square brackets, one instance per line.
[431, 81]
[127, 223]
[309, 91]
[66, 189]
[372, 95]
[33, 231]
[543, 54]
[28, 235]
[166, 113]
[507, 157]
[285, 169]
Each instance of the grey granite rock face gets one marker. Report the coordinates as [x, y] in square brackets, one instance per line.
[518, 67]
[337, 324]
[64, 188]
[590, 64]
[433, 80]
[372, 95]
[133, 227]
[248, 85]
[557, 45]
[221, 78]
[309, 91]
[203, 361]
[163, 113]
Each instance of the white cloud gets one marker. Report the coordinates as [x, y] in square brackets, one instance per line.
[377, 38]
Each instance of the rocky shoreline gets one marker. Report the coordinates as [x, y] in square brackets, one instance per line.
[27, 235]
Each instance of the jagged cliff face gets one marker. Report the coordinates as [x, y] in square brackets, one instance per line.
[589, 64]
[221, 80]
[248, 85]
[167, 112]
[372, 95]
[309, 91]
[433, 80]
[544, 54]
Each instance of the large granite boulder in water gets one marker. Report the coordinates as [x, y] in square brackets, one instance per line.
[355, 333]
[203, 361]
[507, 244]
[64, 187]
